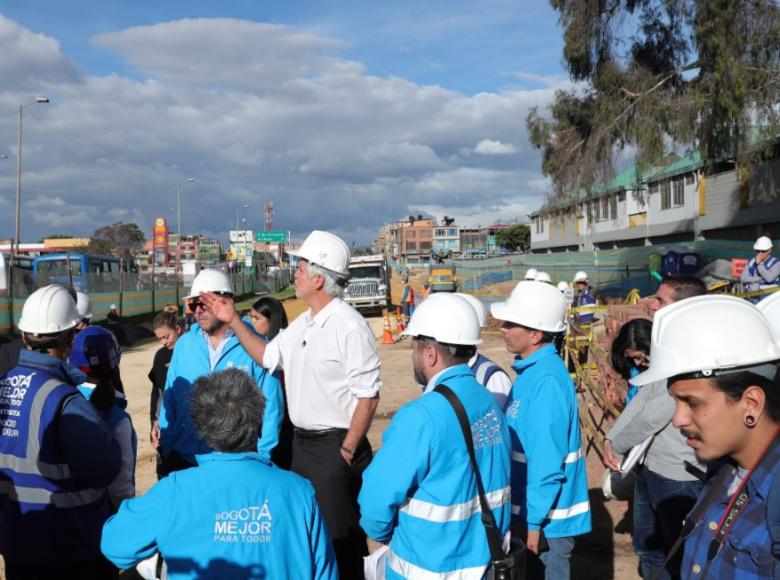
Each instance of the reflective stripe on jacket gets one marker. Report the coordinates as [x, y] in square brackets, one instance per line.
[549, 483]
[47, 514]
[419, 492]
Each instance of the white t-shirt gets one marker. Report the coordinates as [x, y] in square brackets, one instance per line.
[329, 361]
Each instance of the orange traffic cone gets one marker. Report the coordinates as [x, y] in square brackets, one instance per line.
[387, 337]
[399, 320]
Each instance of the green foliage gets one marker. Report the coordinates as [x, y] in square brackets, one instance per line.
[515, 238]
[691, 74]
[118, 239]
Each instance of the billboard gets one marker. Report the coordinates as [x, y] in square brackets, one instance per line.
[240, 236]
[272, 237]
[160, 242]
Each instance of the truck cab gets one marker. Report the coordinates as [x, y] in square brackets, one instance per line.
[442, 278]
[369, 283]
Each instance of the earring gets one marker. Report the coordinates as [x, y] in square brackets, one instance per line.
[750, 420]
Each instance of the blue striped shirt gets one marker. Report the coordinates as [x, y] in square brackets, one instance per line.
[747, 551]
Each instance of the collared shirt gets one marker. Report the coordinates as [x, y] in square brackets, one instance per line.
[216, 352]
[747, 551]
[330, 361]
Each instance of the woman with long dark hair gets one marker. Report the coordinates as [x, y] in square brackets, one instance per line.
[630, 351]
[268, 318]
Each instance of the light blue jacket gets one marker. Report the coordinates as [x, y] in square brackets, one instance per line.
[549, 483]
[233, 516]
[419, 493]
[191, 360]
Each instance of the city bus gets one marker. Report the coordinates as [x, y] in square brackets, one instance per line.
[85, 272]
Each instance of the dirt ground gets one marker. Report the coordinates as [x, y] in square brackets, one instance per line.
[603, 554]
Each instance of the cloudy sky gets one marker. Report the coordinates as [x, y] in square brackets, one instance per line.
[345, 114]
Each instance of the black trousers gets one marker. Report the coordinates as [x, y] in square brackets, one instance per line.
[337, 486]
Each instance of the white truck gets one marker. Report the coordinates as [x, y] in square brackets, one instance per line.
[369, 283]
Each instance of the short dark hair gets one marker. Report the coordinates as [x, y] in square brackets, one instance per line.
[685, 286]
[735, 384]
[227, 410]
[451, 354]
[634, 334]
[273, 310]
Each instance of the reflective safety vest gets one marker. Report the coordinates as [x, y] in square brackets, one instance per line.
[484, 368]
[39, 494]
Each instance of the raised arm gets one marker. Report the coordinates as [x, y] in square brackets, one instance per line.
[225, 311]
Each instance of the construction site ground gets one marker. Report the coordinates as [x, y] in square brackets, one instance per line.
[603, 554]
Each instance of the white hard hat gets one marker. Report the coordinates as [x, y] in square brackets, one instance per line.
[762, 244]
[476, 304]
[49, 310]
[770, 308]
[563, 286]
[325, 250]
[697, 335]
[534, 305]
[530, 274]
[112, 307]
[210, 281]
[447, 318]
[581, 276]
[84, 305]
[543, 277]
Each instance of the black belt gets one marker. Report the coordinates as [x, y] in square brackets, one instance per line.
[321, 434]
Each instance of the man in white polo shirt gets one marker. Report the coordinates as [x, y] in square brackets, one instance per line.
[331, 370]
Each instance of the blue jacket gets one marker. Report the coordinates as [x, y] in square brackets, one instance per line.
[549, 483]
[56, 458]
[233, 516]
[419, 493]
[189, 362]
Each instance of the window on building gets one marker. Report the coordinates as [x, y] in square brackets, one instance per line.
[411, 246]
[613, 205]
[666, 194]
[690, 178]
[654, 187]
[678, 190]
[452, 232]
[425, 246]
[425, 233]
[605, 208]
[596, 211]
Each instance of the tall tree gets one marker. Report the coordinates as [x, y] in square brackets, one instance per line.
[650, 74]
[118, 239]
[514, 238]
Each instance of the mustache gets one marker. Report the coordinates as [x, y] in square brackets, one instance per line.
[690, 434]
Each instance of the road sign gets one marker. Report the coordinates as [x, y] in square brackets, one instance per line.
[272, 237]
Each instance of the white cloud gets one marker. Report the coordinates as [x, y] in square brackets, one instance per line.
[255, 112]
[491, 147]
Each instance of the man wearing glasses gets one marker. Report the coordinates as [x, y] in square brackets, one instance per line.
[209, 346]
[763, 270]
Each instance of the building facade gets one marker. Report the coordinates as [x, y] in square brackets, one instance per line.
[681, 201]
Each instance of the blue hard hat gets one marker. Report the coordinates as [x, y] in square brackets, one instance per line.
[95, 350]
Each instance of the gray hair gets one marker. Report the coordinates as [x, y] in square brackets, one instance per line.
[332, 286]
[227, 410]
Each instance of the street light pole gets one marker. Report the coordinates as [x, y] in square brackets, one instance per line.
[178, 233]
[15, 245]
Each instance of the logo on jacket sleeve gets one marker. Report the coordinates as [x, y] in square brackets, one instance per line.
[513, 409]
[248, 525]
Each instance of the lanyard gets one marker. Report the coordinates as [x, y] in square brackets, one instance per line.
[735, 507]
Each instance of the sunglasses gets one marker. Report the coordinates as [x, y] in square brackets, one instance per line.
[194, 303]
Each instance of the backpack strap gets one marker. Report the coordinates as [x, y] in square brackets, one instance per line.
[773, 517]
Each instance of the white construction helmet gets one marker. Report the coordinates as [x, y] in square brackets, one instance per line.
[770, 308]
[210, 281]
[762, 244]
[476, 304]
[447, 318]
[530, 274]
[84, 305]
[581, 276]
[534, 305]
[563, 286]
[325, 250]
[696, 335]
[543, 277]
[49, 310]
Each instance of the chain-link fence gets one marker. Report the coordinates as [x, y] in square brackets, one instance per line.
[133, 293]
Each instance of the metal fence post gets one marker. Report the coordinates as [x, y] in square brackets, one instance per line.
[121, 285]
